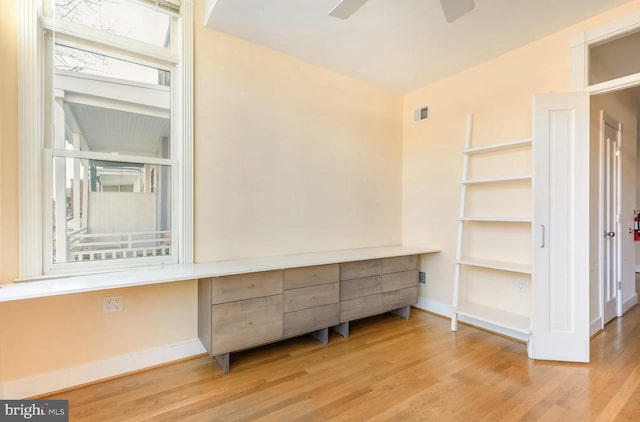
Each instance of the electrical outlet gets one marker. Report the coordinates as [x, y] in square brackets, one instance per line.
[112, 304]
[422, 277]
[521, 285]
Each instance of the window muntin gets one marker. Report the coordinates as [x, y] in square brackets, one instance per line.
[72, 59]
[129, 19]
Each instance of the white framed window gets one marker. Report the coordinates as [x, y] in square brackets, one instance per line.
[105, 135]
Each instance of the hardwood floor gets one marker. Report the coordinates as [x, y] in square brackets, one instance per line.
[389, 369]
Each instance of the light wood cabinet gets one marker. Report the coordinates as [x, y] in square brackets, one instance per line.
[311, 300]
[376, 286]
[241, 311]
[245, 323]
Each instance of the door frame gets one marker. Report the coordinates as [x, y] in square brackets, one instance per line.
[579, 64]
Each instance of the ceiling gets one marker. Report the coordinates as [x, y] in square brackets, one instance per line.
[398, 44]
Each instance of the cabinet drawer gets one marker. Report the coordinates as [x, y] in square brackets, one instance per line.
[399, 263]
[245, 286]
[246, 323]
[308, 320]
[311, 297]
[359, 287]
[359, 269]
[360, 307]
[399, 298]
[311, 276]
[398, 281]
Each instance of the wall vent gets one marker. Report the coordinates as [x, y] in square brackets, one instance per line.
[421, 113]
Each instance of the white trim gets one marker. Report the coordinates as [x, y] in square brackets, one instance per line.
[629, 303]
[579, 63]
[98, 370]
[30, 139]
[617, 84]
[638, 268]
[185, 201]
[106, 156]
[444, 310]
[434, 306]
[595, 326]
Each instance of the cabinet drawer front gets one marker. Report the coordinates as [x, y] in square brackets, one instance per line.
[308, 320]
[399, 298]
[359, 287]
[311, 276]
[246, 323]
[360, 307]
[311, 297]
[360, 269]
[398, 281]
[399, 263]
[245, 286]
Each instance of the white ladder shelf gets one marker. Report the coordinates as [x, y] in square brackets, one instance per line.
[510, 321]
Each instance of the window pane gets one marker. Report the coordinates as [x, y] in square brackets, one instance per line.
[106, 210]
[107, 105]
[612, 60]
[121, 17]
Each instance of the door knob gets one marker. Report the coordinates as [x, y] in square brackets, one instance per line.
[611, 234]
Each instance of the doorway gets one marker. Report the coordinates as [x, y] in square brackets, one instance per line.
[613, 164]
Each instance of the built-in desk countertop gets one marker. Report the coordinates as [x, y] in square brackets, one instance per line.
[181, 272]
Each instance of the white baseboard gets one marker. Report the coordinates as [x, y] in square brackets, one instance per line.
[97, 370]
[595, 326]
[439, 308]
[629, 303]
[444, 310]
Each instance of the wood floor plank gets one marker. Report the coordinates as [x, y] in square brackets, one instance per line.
[388, 369]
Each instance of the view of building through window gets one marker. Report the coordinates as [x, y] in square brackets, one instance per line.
[104, 206]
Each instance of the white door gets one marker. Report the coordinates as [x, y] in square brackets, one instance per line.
[610, 203]
[560, 284]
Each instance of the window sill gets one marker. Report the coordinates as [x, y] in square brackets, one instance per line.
[181, 272]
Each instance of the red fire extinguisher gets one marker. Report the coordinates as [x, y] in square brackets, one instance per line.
[636, 228]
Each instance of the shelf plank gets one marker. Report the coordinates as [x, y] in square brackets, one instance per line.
[496, 220]
[497, 147]
[497, 265]
[509, 320]
[497, 180]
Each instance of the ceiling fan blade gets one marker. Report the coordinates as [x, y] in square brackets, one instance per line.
[346, 8]
[455, 9]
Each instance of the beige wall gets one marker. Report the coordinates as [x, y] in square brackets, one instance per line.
[43, 335]
[290, 158]
[499, 94]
